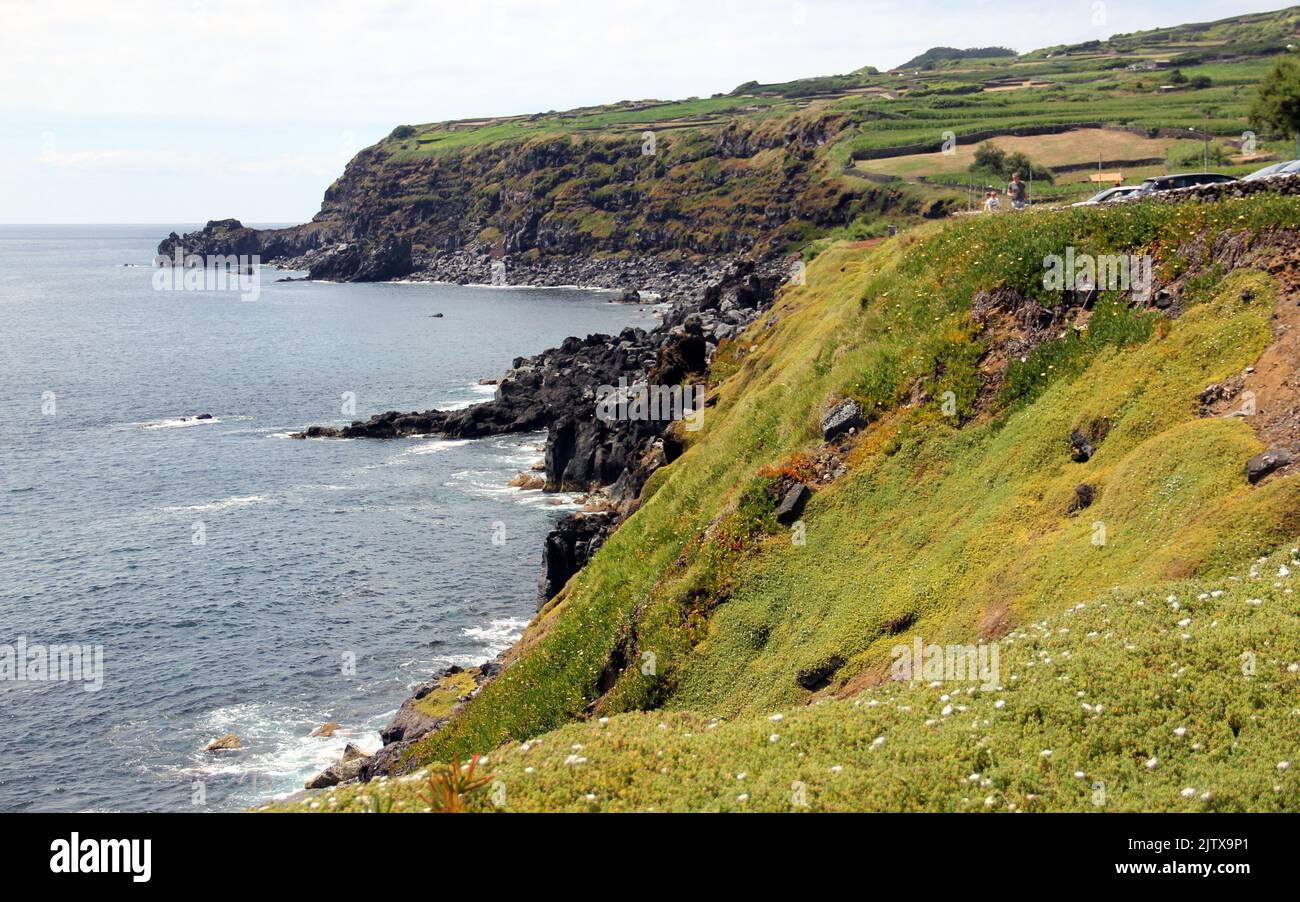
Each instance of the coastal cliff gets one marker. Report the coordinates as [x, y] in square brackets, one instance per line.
[915, 440]
[546, 208]
[924, 443]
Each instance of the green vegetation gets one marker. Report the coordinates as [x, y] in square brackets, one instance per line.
[440, 702]
[991, 160]
[1138, 713]
[936, 55]
[669, 666]
[1277, 106]
[1142, 600]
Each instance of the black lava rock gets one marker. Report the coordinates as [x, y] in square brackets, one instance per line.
[844, 416]
[791, 505]
[1267, 462]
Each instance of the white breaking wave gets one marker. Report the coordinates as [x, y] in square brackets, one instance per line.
[178, 423]
[434, 446]
[483, 393]
[241, 501]
[482, 484]
[498, 635]
[279, 753]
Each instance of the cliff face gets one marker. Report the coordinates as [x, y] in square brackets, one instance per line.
[749, 187]
[700, 193]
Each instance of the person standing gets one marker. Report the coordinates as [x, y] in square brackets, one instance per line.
[1017, 191]
[991, 202]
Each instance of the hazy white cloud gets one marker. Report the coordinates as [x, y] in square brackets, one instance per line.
[124, 160]
[400, 60]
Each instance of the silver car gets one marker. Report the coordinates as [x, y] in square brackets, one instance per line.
[1106, 195]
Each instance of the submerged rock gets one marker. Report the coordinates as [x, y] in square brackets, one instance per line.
[228, 743]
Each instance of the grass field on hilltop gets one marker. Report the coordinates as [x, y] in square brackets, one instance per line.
[768, 169]
[1077, 84]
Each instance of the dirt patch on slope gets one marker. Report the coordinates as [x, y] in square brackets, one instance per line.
[1267, 395]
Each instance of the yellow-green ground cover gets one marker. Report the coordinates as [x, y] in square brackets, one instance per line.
[654, 679]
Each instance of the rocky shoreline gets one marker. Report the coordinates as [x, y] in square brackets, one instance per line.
[327, 258]
[705, 302]
[609, 458]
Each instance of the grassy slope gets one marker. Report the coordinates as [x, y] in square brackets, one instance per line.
[951, 526]
[1102, 687]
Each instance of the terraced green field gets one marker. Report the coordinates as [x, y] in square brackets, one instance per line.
[893, 123]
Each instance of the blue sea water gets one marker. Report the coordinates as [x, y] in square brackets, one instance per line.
[232, 575]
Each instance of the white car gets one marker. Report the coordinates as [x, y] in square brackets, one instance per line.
[1107, 194]
[1286, 167]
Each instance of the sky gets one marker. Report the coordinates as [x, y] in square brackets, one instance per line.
[178, 112]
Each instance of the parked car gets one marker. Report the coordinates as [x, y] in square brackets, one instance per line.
[1182, 180]
[1286, 167]
[1106, 195]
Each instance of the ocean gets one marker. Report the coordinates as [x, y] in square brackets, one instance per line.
[234, 579]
